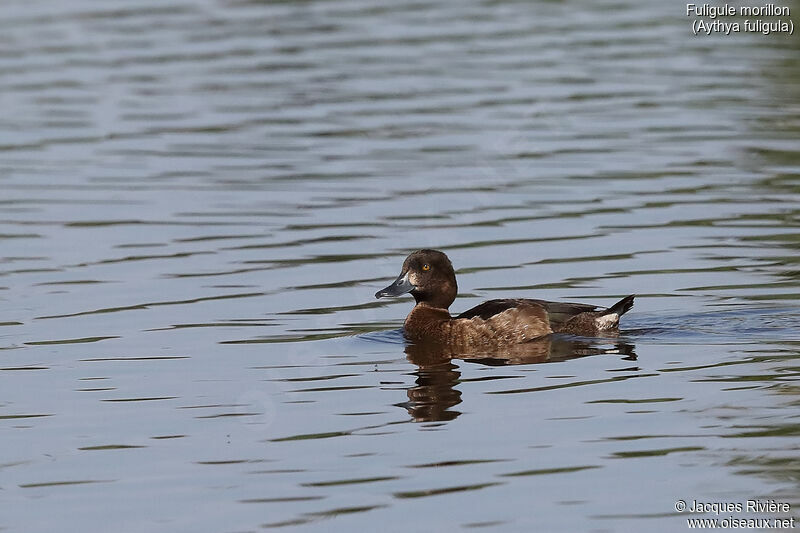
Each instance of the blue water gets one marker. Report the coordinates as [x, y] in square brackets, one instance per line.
[199, 200]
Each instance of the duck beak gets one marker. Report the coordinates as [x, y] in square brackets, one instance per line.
[400, 286]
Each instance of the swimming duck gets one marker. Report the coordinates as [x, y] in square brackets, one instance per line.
[429, 276]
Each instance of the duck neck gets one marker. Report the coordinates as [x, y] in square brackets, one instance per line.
[425, 314]
[425, 322]
[430, 308]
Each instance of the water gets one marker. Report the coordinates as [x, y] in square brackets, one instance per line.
[200, 199]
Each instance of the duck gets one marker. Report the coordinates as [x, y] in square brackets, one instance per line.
[429, 276]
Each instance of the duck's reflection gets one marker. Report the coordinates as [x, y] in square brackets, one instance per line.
[435, 393]
[437, 375]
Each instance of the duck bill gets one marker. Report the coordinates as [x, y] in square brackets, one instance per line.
[400, 286]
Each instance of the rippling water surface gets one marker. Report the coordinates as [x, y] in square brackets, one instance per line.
[198, 200]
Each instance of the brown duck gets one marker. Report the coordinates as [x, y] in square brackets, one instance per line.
[428, 275]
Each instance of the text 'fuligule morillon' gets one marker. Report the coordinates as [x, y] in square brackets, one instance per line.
[727, 10]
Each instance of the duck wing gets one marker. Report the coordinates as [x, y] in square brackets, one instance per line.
[558, 313]
[490, 308]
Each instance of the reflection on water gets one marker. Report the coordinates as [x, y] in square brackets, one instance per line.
[437, 375]
[198, 201]
[435, 390]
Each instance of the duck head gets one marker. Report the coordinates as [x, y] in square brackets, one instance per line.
[428, 275]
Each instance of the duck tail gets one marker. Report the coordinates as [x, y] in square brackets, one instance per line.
[621, 307]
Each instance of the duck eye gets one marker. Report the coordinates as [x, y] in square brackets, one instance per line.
[426, 267]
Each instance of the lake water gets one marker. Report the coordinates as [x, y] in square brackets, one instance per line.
[199, 199]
